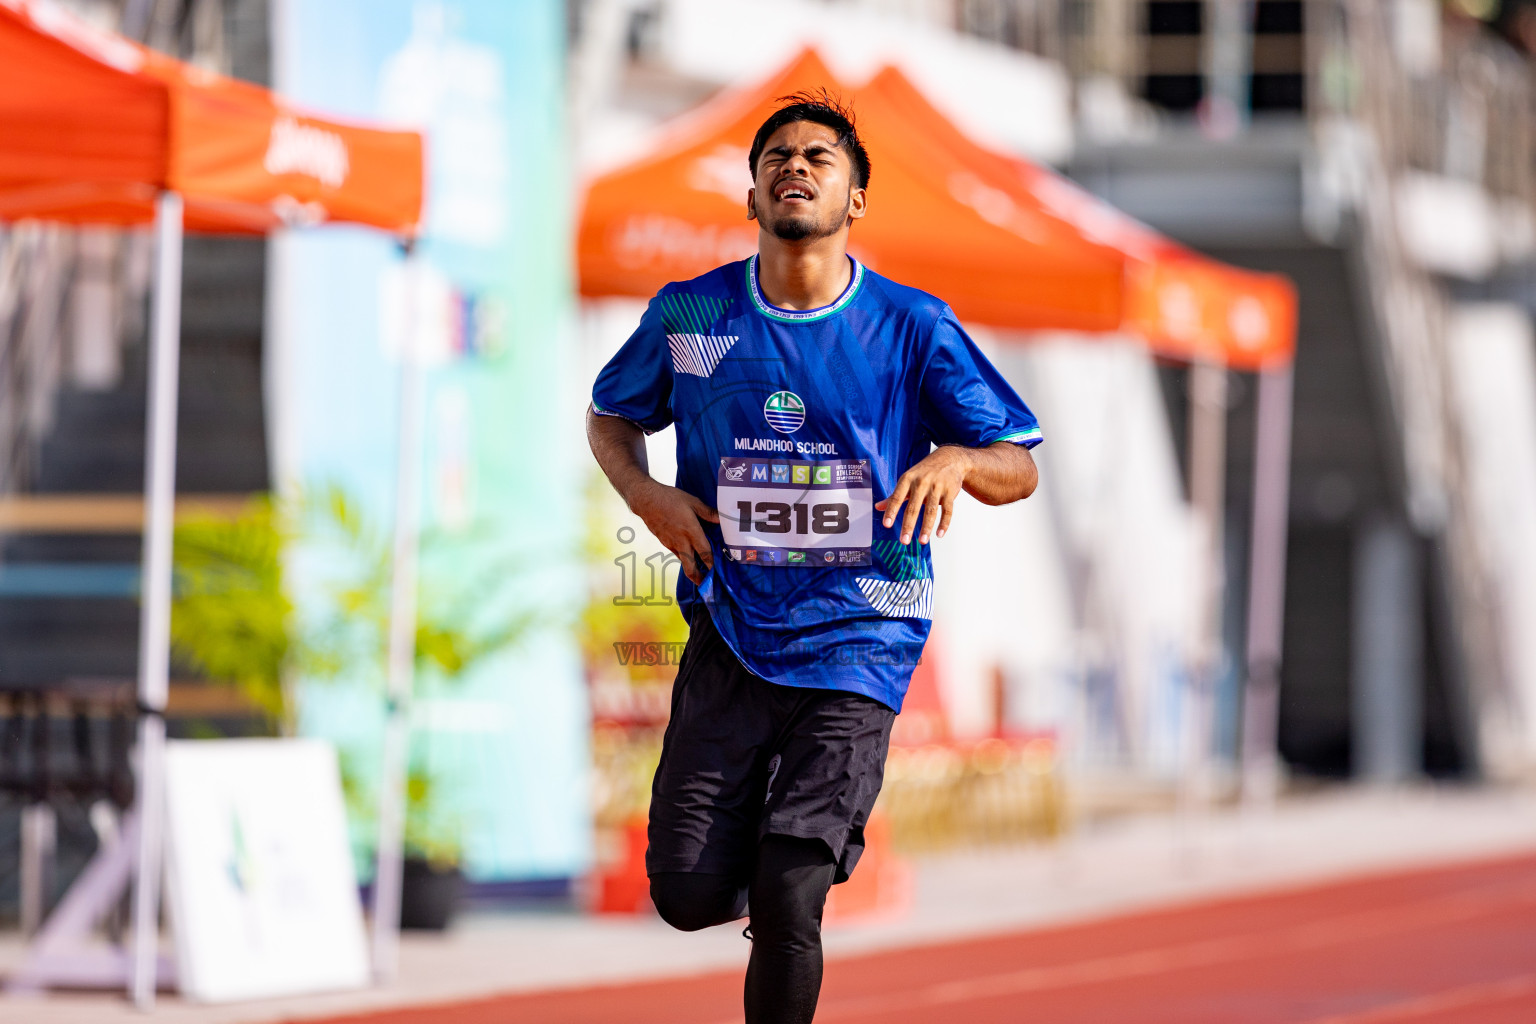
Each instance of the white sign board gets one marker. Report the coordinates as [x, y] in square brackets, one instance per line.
[263, 897]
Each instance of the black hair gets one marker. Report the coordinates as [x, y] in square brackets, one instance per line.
[818, 107]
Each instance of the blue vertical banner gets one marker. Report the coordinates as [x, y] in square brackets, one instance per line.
[502, 748]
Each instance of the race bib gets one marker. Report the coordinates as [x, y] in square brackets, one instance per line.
[790, 513]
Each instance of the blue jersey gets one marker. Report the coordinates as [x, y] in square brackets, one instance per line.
[792, 423]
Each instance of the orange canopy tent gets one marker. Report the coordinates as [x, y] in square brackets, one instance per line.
[1005, 243]
[94, 126]
[682, 212]
[96, 129]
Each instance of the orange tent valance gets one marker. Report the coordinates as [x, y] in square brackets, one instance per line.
[94, 126]
[1185, 305]
[1004, 242]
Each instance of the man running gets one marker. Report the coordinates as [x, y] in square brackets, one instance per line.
[802, 385]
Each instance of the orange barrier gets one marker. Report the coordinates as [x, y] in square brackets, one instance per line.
[880, 886]
[622, 884]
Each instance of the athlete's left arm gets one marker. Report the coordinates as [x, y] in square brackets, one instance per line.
[995, 475]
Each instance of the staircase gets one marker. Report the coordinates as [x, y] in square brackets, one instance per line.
[1465, 125]
[1380, 460]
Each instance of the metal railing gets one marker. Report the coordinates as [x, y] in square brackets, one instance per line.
[1472, 120]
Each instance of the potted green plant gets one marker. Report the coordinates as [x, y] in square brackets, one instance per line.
[432, 882]
[234, 621]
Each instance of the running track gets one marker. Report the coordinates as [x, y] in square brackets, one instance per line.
[1430, 947]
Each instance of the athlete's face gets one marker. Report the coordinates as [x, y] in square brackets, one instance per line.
[804, 184]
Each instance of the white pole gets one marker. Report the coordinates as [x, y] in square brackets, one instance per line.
[155, 611]
[39, 843]
[1227, 66]
[402, 650]
[1207, 493]
[1266, 586]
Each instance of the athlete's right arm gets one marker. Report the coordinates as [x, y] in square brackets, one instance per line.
[671, 514]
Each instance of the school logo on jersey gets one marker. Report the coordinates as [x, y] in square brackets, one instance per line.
[784, 411]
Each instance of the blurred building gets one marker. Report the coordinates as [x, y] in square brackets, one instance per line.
[1382, 155]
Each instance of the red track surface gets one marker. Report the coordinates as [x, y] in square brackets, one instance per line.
[1431, 947]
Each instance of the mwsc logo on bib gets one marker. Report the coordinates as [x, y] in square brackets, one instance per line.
[784, 411]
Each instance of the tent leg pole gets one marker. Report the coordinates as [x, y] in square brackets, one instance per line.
[1266, 587]
[1207, 492]
[388, 871]
[39, 842]
[155, 612]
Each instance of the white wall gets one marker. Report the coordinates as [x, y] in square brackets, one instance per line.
[1001, 604]
[1110, 478]
[1493, 362]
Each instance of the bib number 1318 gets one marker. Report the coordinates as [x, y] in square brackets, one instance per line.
[800, 517]
[795, 512]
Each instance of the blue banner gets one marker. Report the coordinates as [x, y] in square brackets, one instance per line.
[501, 750]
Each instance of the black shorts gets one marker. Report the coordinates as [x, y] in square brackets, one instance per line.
[744, 758]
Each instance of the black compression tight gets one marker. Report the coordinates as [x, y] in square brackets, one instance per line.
[789, 890]
[787, 893]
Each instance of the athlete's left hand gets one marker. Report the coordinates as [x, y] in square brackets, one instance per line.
[929, 490]
[994, 475]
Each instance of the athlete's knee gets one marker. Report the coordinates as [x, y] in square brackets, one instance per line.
[689, 901]
[789, 889]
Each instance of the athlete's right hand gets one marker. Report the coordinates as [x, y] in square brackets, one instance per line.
[673, 516]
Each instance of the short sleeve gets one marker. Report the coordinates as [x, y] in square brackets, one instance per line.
[964, 400]
[637, 382]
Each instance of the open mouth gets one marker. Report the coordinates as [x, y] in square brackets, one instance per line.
[793, 192]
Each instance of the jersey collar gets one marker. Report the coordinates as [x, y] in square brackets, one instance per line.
[800, 316]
